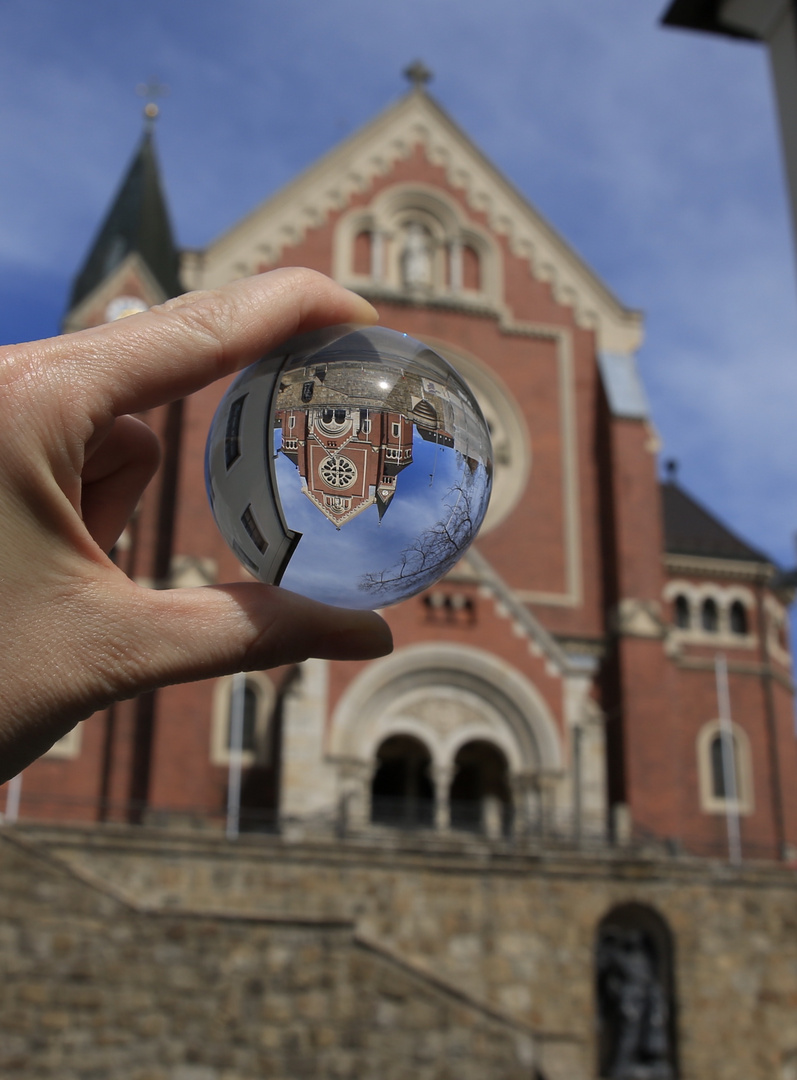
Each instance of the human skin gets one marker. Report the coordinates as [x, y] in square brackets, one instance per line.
[77, 632]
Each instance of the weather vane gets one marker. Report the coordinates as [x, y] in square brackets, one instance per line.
[151, 90]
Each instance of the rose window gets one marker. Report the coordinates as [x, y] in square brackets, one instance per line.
[337, 472]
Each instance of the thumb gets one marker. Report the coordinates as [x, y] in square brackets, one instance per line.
[220, 629]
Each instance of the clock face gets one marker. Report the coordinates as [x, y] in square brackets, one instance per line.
[122, 306]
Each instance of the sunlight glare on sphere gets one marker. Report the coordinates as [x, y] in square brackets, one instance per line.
[350, 465]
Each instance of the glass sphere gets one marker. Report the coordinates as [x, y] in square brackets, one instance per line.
[350, 465]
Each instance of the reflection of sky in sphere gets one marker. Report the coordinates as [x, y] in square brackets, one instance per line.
[365, 563]
[379, 458]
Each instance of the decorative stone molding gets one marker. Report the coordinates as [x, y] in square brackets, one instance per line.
[777, 623]
[449, 232]
[704, 567]
[370, 153]
[724, 597]
[638, 618]
[412, 692]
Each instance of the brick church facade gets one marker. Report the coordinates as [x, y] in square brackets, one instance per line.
[563, 679]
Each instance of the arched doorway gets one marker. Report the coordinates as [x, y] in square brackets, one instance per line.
[480, 799]
[402, 792]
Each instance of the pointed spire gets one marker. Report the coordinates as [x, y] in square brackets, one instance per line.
[137, 221]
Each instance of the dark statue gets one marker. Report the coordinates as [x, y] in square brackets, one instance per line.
[634, 1011]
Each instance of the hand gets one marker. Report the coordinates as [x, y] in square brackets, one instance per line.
[77, 632]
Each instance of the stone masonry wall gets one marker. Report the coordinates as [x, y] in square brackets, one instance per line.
[352, 956]
[93, 988]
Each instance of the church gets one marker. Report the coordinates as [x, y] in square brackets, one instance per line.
[605, 672]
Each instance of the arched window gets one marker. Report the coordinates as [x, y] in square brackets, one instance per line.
[709, 616]
[249, 731]
[402, 793]
[724, 769]
[683, 616]
[635, 995]
[471, 269]
[258, 705]
[724, 757]
[480, 799]
[362, 253]
[738, 618]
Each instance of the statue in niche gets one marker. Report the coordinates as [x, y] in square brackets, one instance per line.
[416, 257]
[634, 1012]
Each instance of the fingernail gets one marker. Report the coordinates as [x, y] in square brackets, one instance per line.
[365, 313]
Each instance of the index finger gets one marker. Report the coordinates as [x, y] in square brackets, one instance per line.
[180, 346]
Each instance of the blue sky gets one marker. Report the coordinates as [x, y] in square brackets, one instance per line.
[654, 152]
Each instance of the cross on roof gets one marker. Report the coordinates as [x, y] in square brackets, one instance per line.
[151, 89]
[418, 74]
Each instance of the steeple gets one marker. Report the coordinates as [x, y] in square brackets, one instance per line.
[136, 223]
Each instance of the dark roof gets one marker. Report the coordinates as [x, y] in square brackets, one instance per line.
[689, 529]
[138, 220]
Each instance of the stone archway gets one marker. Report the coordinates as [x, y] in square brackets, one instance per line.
[446, 696]
[480, 797]
[402, 790]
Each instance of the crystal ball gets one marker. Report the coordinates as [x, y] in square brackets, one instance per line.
[352, 465]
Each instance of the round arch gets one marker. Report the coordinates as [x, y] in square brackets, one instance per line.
[484, 698]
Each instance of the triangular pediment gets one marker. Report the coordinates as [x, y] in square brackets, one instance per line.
[371, 153]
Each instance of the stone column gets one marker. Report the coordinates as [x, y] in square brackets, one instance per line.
[442, 776]
[455, 265]
[378, 255]
[354, 803]
[546, 787]
[525, 799]
[309, 781]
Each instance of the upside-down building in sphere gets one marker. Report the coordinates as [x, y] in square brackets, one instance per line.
[560, 685]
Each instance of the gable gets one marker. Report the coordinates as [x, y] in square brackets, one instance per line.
[342, 176]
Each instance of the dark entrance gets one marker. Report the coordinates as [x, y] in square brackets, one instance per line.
[480, 799]
[402, 793]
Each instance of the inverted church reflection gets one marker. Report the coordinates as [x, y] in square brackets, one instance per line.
[385, 477]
